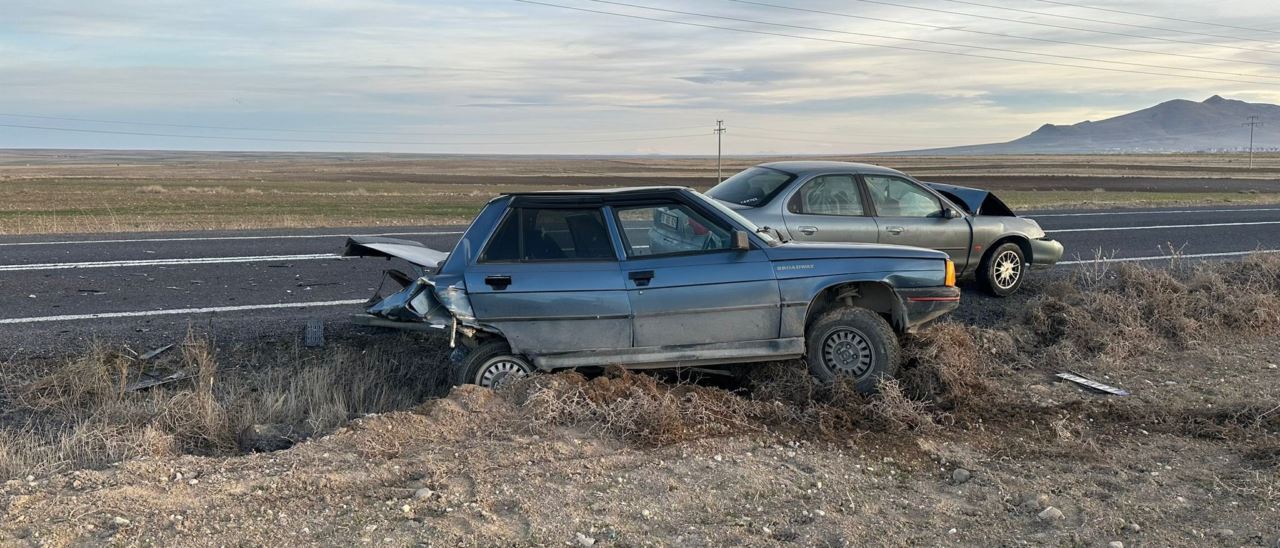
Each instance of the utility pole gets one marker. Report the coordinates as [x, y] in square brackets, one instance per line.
[720, 129]
[1252, 123]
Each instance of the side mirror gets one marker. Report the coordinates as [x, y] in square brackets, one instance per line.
[950, 213]
[740, 241]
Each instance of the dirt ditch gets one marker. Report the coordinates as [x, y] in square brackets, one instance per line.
[976, 443]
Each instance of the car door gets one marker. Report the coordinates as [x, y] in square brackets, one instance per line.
[829, 208]
[549, 279]
[687, 285]
[908, 214]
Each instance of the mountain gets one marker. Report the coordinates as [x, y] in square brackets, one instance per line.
[1213, 125]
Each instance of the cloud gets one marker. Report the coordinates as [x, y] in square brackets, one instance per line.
[438, 66]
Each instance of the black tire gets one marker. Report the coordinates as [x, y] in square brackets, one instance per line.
[1002, 270]
[491, 364]
[853, 342]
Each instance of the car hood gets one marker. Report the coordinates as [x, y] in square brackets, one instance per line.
[975, 201]
[793, 250]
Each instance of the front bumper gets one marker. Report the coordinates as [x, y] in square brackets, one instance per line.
[1045, 252]
[920, 306]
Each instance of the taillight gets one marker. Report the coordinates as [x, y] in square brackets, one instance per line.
[951, 273]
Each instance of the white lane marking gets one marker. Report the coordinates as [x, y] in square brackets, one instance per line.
[220, 238]
[1171, 257]
[1100, 213]
[162, 262]
[1159, 227]
[173, 311]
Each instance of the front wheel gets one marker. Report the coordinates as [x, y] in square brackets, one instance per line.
[1002, 272]
[853, 343]
[491, 365]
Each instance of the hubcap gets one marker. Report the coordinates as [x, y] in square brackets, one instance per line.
[500, 371]
[847, 352]
[1007, 269]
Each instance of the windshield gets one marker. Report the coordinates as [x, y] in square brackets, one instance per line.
[753, 187]
[750, 226]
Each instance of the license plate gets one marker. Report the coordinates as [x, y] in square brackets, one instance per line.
[669, 220]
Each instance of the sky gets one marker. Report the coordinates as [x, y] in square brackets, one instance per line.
[503, 76]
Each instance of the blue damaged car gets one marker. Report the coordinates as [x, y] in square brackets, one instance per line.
[652, 278]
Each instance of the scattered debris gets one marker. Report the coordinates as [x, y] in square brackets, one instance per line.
[1089, 383]
[313, 334]
[155, 352]
[150, 380]
[91, 292]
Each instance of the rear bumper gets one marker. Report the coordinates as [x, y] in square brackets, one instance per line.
[1045, 252]
[923, 305]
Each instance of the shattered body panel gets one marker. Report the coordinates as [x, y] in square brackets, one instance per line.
[622, 302]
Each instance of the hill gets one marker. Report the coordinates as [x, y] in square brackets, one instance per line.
[1213, 125]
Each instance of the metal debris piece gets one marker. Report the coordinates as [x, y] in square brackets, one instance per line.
[1095, 385]
[313, 334]
[155, 352]
[150, 380]
[91, 292]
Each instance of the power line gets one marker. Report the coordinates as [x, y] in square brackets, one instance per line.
[346, 142]
[335, 131]
[1000, 35]
[756, 22]
[1130, 25]
[1082, 6]
[1062, 27]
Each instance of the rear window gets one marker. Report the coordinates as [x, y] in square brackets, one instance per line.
[753, 188]
[544, 234]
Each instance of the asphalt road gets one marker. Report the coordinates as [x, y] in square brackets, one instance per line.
[60, 292]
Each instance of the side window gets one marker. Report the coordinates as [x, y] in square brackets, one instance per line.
[896, 197]
[828, 195]
[542, 234]
[668, 229]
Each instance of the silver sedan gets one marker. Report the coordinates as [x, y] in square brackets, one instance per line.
[849, 202]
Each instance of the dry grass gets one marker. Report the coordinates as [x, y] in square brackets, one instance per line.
[1121, 310]
[80, 415]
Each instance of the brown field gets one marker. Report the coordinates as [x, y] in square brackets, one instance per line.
[106, 191]
[976, 444]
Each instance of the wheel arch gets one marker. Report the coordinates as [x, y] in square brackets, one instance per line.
[877, 296]
[1023, 243]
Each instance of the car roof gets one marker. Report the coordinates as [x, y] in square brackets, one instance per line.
[596, 196]
[808, 167]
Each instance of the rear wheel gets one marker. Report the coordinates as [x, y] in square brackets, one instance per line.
[1001, 273]
[853, 343]
[491, 365]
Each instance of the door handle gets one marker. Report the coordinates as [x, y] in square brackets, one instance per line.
[641, 277]
[498, 282]
[895, 230]
[808, 230]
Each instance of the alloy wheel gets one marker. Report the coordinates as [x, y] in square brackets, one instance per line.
[1008, 267]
